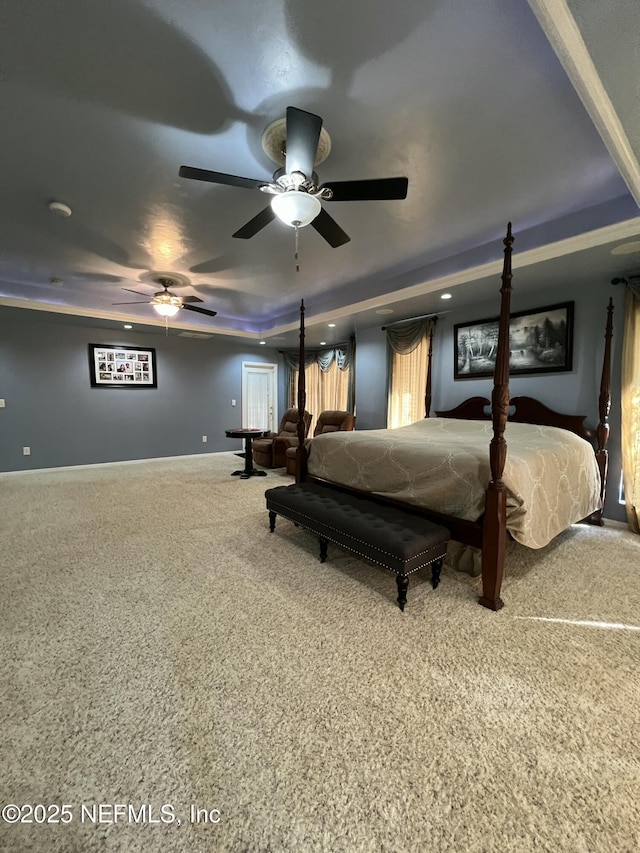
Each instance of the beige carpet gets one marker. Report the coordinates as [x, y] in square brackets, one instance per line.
[159, 647]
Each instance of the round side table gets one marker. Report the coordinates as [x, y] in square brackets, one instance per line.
[248, 435]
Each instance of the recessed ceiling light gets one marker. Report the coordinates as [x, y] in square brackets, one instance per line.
[384, 311]
[323, 343]
[127, 326]
[332, 325]
[59, 208]
[262, 343]
[445, 296]
[627, 248]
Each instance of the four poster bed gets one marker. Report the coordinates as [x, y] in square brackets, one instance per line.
[439, 468]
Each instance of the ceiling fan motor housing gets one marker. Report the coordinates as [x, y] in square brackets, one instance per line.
[295, 191]
[166, 303]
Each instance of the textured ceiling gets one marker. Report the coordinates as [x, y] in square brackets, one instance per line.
[487, 111]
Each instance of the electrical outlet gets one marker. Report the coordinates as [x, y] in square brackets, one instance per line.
[204, 439]
[26, 451]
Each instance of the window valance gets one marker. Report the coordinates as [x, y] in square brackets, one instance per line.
[343, 355]
[404, 337]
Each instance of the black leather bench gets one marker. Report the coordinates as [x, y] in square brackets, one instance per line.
[391, 537]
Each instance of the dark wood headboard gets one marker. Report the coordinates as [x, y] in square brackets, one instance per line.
[523, 410]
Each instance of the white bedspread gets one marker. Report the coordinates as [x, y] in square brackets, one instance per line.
[551, 476]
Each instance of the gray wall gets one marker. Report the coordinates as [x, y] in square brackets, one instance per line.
[575, 392]
[371, 379]
[52, 408]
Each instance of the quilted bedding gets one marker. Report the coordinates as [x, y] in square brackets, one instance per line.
[551, 476]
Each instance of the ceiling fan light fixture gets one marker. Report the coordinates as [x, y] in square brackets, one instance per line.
[166, 305]
[165, 309]
[295, 208]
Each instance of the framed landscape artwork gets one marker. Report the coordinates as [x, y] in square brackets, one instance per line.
[122, 367]
[540, 341]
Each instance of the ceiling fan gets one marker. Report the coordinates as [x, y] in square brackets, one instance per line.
[295, 189]
[167, 304]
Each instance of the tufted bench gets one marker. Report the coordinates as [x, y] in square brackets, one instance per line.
[393, 538]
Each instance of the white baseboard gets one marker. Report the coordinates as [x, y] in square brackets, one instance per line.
[118, 462]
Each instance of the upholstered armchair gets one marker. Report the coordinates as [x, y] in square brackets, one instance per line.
[329, 421]
[270, 452]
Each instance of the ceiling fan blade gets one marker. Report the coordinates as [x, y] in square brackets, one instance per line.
[199, 310]
[220, 178]
[328, 228]
[378, 189]
[142, 302]
[137, 292]
[190, 299]
[256, 224]
[303, 134]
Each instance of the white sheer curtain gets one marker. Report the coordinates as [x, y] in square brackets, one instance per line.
[409, 356]
[631, 407]
[408, 381]
[326, 389]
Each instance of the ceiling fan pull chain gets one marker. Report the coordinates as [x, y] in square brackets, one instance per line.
[297, 229]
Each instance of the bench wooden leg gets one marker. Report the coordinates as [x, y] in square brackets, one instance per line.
[272, 520]
[323, 549]
[403, 585]
[436, 568]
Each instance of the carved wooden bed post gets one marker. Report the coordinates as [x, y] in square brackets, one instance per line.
[604, 405]
[427, 395]
[301, 452]
[494, 533]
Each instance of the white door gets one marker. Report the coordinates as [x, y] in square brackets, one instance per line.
[259, 396]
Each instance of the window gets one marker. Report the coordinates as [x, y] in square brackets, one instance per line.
[409, 345]
[329, 381]
[631, 405]
[326, 389]
[408, 384]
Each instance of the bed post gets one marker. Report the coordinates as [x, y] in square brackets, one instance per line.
[604, 405]
[494, 528]
[301, 452]
[427, 395]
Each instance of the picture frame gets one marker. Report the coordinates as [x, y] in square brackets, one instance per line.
[540, 341]
[122, 366]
